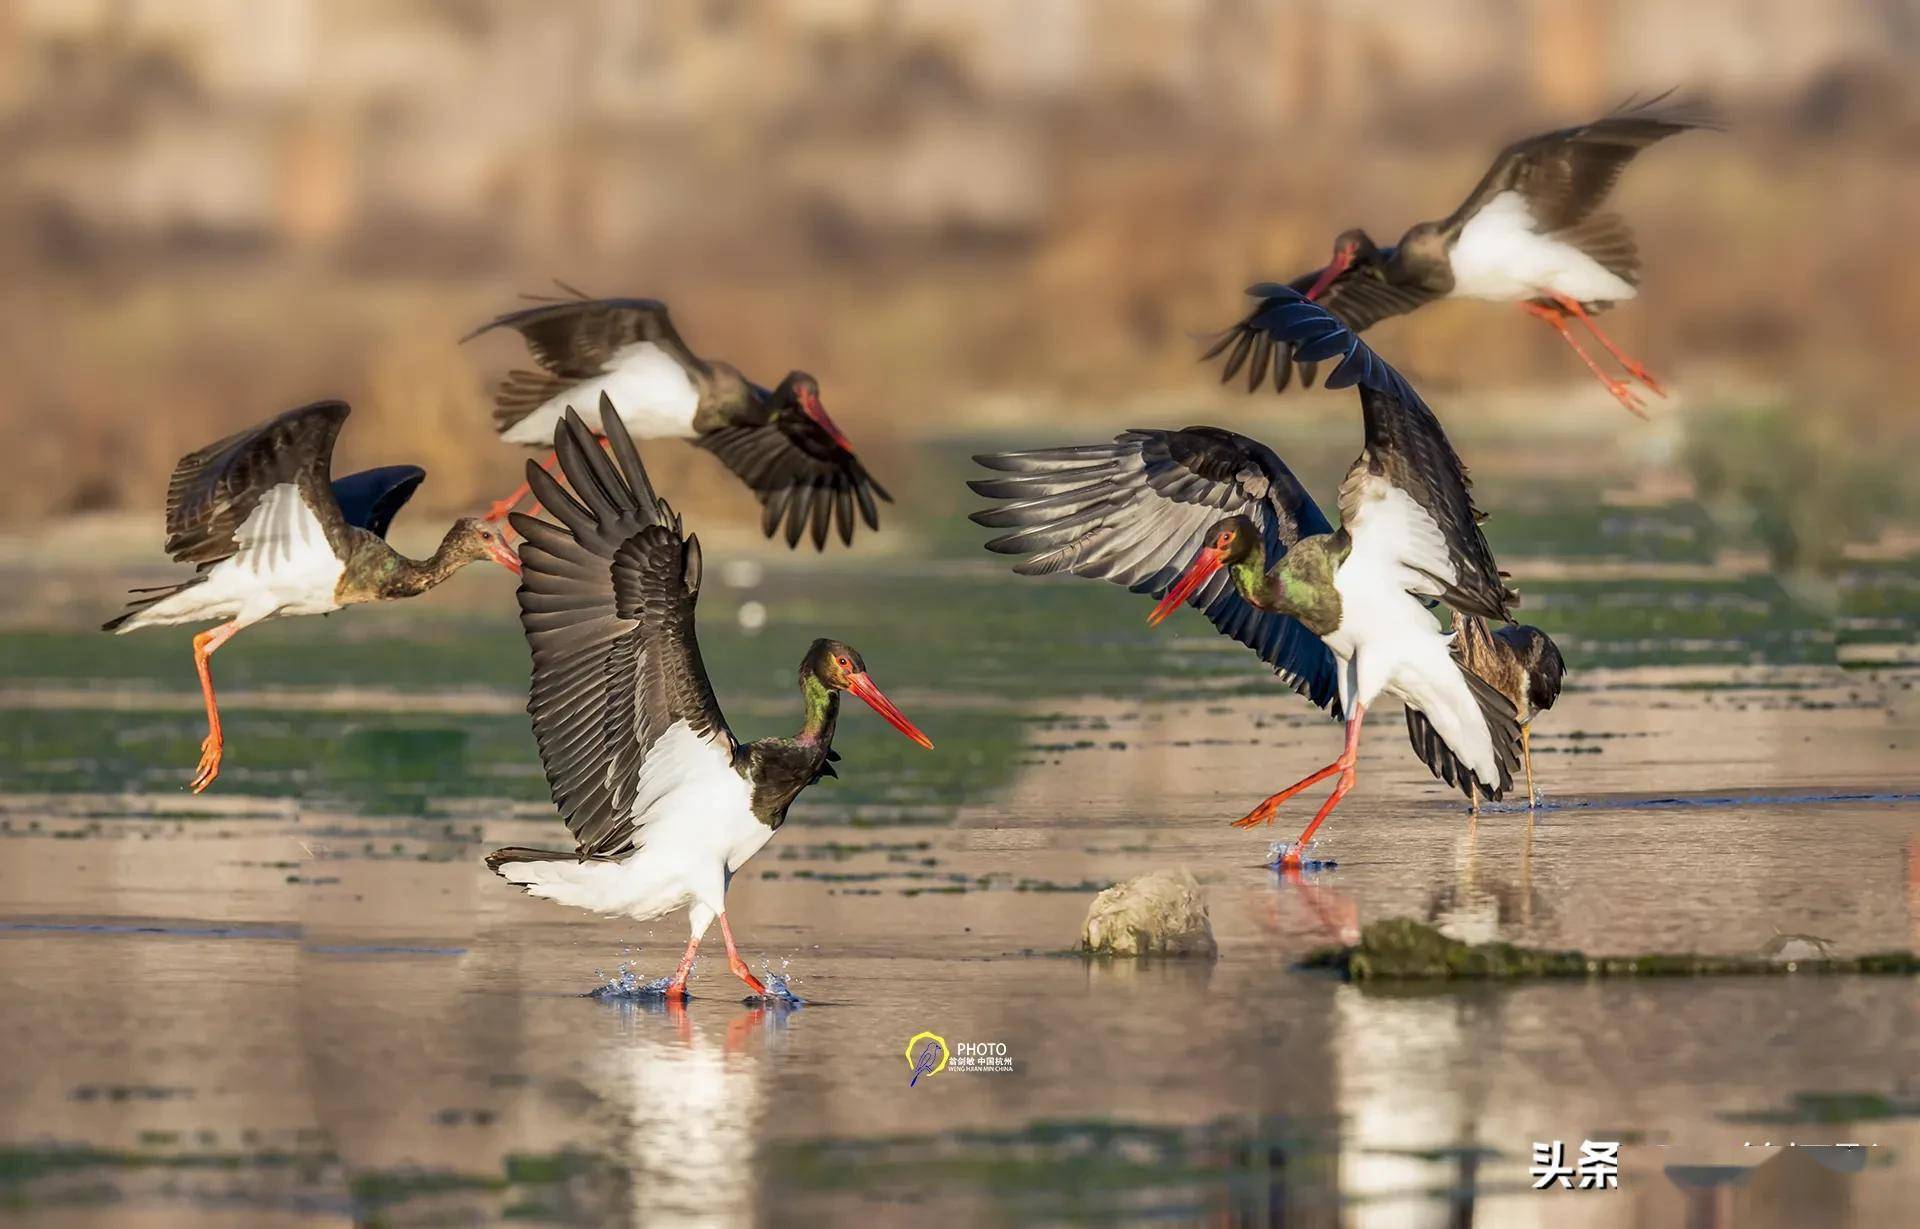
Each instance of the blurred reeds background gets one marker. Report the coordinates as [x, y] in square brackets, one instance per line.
[955, 214]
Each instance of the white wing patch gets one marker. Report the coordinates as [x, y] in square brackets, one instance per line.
[284, 564]
[1501, 255]
[1395, 540]
[651, 391]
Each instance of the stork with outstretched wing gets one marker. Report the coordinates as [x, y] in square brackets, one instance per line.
[780, 442]
[663, 802]
[273, 535]
[1213, 519]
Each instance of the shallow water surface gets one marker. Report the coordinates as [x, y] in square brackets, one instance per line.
[300, 998]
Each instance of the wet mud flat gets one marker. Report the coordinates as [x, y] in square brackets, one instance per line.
[301, 999]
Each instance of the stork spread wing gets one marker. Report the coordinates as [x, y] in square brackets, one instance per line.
[1566, 175]
[800, 475]
[1135, 512]
[215, 491]
[370, 499]
[576, 339]
[1359, 298]
[1408, 496]
[621, 705]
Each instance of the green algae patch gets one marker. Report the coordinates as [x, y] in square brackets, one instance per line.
[1401, 949]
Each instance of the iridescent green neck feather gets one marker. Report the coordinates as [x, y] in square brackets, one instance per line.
[823, 710]
[1302, 586]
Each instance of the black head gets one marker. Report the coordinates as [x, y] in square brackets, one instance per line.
[801, 392]
[1234, 539]
[1540, 656]
[1353, 247]
[833, 663]
[1229, 541]
[839, 667]
[1356, 246]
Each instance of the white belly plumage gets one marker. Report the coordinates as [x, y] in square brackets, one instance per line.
[284, 566]
[1388, 641]
[1501, 256]
[697, 828]
[650, 390]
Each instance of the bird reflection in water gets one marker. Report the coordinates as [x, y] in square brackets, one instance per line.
[683, 1092]
[1332, 914]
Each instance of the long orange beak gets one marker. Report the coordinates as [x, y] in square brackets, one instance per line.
[1209, 561]
[1328, 275]
[862, 686]
[810, 402]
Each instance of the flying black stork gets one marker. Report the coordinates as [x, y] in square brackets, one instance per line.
[1211, 518]
[1532, 232]
[778, 441]
[1522, 663]
[663, 802]
[272, 536]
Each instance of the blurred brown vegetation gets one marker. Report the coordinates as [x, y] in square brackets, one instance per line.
[213, 210]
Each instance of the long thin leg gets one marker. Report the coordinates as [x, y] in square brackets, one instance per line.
[1264, 813]
[1558, 319]
[1634, 368]
[677, 988]
[503, 506]
[1344, 766]
[739, 966]
[211, 748]
[1526, 757]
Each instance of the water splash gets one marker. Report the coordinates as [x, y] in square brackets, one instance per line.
[779, 993]
[626, 984]
[1279, 851]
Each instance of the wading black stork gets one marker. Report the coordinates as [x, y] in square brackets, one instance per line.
[1169, 512]
[778, 441]
[1532, 232]
[272, 536]
[663, 802]
[1522, 663]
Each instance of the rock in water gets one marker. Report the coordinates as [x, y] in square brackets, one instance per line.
[1162, 913]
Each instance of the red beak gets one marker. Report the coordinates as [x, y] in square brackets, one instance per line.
[862, 686]
[504, 556]
[810, 402]
[1209, 561]
[1330, 274]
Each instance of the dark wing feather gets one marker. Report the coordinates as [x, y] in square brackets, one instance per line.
[800, 475]
[1406, 447]
[1567, 174]
[214, 490]
[574, 340]
[370, 499]
[1360, 298]
[607, 603]
[1134, 512]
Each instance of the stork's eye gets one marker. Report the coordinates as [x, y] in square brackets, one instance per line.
[845, 664]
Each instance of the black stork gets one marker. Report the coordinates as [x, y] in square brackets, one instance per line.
[1168, 512]
[1522, 663]
[663, 802]
[272, 536]
[1532, 232]
[778, 441]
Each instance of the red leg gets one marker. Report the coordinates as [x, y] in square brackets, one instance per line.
[211, 748]
[1264, 813]
[1348, 774]
[1558, 319]
[503, 506]
[1572, 307]
[677, 988]
[739, 966]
